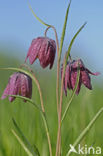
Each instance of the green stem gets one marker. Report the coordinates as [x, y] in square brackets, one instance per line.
[61, 100]
[22, 144]
[43, 110]
[59, 116]
[43, 117]
[58, 65]
[86, 130]
[41, 21]
[41, 98]
[72, 41]
[27, 99]
[47, 132]
[72, 96]
[64, 30]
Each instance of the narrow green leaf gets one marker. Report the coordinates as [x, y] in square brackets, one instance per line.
[19, 70]
[63, 31]
[72, 41]
[45, 122]
[70, 46]
[72, 96]
[24, 142]
[25, 72]
[86, 130]
[42, 22]
[27, 99]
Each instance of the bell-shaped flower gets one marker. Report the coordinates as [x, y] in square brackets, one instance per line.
[71, 76]
[19, 84]
[44, 49]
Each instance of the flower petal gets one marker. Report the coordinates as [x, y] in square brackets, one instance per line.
[86, 80]
[6, 91]
[95, 74]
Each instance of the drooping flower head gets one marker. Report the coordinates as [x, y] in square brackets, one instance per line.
[19, 84]
[71, 76]
[44, 49]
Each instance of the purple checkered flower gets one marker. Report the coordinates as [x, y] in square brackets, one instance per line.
[71, 76]
[19, 84]
[44, 49]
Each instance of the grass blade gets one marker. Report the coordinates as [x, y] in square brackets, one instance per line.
[72, 41]
[42, 22]
[24, 142]
[86, 130]
[18, 69]
[72, 96]
[42, 106]
[63, 32]
[27, 99]
[69, 48]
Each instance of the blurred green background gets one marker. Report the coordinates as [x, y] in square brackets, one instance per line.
[82, 110]
[17, 29]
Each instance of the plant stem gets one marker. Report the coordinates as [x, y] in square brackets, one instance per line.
[32, 75]
[61, 99]
[57, 87]
[27, 99]
[47, 132]
[58, 149]
[56, 37]
[38, 85]
[41, 21]
[86, 130]
[22, 144]
[43, 110]
[60, 113]
[72, 96]
[58, 64]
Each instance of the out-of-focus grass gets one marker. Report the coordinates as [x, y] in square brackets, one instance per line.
[82, 110]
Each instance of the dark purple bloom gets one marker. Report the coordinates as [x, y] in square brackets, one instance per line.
[19, 84]
[71, 76]
[44, 49]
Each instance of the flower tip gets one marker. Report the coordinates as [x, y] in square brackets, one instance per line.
[97, 73]
[51, 65]
[11, 99]
[65, 91]
[77, 92]
[26, 59]
[3, 97]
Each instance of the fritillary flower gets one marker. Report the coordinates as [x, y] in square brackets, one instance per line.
[71, 76]
[44, 49]
[19, 84]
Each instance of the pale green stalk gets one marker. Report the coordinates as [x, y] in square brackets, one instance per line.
[72, 96]
[64, 30]
[42, 105]
[22, 144]
[86, 130]
[27, 99]
[58, 65]
[30, 150]
[58, 148]
[41, 21]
